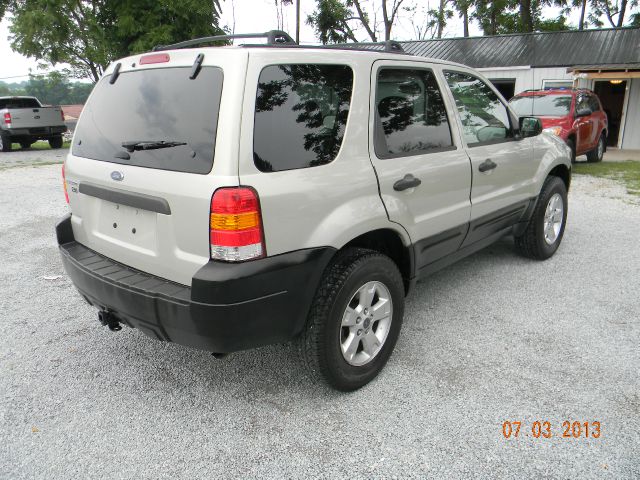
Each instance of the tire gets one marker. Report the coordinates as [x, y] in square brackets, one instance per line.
[5, 143]
[25, 145]
[572, 145]
[597, 153]
[56, 142]
[353, 273]
[534, 242]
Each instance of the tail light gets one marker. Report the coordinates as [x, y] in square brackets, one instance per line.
[64, 185]
[62, 114]
[7, 118]
[235, 225]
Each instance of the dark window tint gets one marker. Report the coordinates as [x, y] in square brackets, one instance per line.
[301, 113]
[594, 104]
[484, 118]
[582, 103]
[19, 103]
[153, 105]
[411, 117]
[542, 105]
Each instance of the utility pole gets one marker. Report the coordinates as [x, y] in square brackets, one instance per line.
[298, 21]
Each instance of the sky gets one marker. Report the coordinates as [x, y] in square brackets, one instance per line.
[250, 16]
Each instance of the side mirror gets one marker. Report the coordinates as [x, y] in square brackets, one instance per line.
[530, 126]
[583, 112]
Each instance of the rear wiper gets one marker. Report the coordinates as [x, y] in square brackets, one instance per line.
[149, 145]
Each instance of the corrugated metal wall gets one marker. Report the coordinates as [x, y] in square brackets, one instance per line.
[530, 78]
[631, 137]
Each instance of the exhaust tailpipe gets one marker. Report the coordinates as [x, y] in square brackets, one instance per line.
[109, 320]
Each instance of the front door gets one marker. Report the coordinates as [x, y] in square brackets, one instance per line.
[501, 162]
[423, 171]
[584, 126]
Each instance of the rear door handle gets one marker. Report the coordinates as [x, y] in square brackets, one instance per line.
[409, 181]
[487, 165]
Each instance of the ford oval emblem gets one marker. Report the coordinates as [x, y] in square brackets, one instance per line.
[117, 176]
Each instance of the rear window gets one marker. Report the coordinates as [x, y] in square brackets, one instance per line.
[152, 106]
[301, 114]
[542, 105]
[19, 103]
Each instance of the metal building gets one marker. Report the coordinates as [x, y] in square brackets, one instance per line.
[605, 60]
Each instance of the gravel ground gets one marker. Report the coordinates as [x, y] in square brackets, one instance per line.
[21, 158]
[492, 338]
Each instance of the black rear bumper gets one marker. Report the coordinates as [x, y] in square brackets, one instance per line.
[229, 307]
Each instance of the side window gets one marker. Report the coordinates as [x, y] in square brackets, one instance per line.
[594, 104]
[410, 114]
[301, 114]
[582, 102]
[484, 118]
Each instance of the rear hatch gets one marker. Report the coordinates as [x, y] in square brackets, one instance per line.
[149, 151]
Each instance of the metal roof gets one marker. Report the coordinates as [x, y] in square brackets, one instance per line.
[548, 49]
[606, 67]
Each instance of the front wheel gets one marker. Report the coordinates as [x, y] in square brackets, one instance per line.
[56, 142]
[597, 153]
[354, 320]
[545, 230]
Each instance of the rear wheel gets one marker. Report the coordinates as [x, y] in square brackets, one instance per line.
[355, 319]
[56, 142]
[545, 230]
[597, 153]
[5, 143]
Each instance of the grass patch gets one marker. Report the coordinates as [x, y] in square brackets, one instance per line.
[626, 172]
[42, 146]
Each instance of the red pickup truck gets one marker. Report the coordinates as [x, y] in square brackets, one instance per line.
[576, 116]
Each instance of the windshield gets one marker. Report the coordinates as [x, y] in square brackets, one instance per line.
[155, 105]
[542, 105]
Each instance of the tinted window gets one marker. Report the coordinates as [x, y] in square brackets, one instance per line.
[484, 118]
[594, 104]
[153, 105]
[582, 102]
[411, 117]
[301, 113]
[19, 103]
[542, 105]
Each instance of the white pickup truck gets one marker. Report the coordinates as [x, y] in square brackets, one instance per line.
[24, 120]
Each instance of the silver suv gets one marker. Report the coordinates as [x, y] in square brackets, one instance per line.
[226, 198]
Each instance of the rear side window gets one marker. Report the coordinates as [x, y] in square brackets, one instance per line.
[484, 118]
[153, 105]
[19, 103]
[411, 116]
[301, 114]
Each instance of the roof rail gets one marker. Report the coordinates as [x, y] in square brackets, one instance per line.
[274, 37]
[390, 46]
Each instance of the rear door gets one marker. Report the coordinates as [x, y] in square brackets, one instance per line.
[502, 163]
[149, 208]
[423, 170]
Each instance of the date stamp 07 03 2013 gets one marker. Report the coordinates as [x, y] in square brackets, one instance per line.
[546, 429]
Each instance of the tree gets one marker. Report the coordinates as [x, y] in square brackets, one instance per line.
[613, 10]
[463, 7]
[331, 22]
[89, 34]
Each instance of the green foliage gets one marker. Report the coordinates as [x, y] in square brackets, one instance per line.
[330, 21]
[88, 34]
[52, 89]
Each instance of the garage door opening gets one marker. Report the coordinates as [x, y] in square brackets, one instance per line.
[506, 86]
[611, 94]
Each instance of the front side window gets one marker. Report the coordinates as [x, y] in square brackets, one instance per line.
[594, 104]
[484, 118]
[300, 116]
[411, 116]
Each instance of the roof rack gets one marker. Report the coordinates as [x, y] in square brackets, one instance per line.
[390, 46]
[274, 37]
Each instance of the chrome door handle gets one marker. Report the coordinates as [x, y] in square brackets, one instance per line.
[409, 181]
[487, 165]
